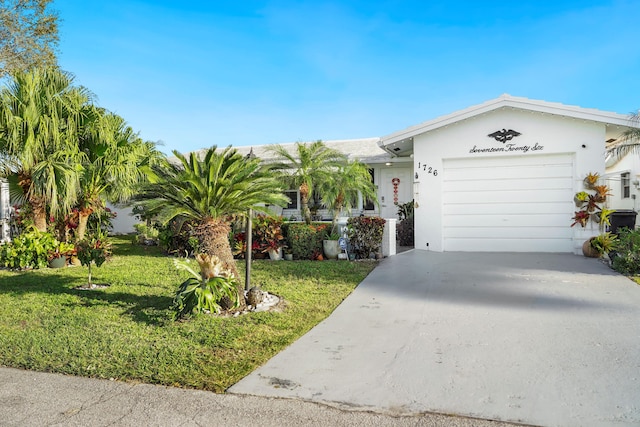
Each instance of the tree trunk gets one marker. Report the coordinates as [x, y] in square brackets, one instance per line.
[304, 203]
[83, 220]
[39, 213]
[213, 235]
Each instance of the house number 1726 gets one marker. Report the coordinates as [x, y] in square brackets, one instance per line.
[427, 168]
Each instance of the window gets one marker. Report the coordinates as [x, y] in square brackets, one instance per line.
[293, 195]
[625, 178]
[369, 205]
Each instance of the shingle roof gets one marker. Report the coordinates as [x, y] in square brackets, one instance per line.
[367, 150]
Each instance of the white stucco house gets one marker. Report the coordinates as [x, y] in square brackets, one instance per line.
[500, 176]
[497, 177]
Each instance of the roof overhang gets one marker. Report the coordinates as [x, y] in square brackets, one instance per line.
[401, 143]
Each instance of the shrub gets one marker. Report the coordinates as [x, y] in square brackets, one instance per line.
[627, 257]
[30, 249]
[305, 241]
[406, 232]
[202, 292]
[365, 235]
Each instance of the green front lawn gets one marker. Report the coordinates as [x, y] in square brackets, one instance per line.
[126, 331]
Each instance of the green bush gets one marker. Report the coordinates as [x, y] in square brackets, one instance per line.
[406, 233]
[365, 235]
[627, 257]
[305, 241]
[201, 294]
[30, 249]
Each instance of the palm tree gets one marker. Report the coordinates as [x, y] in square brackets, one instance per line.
[42, 116]
[305, 167]
[630, 139]
[209, 191]
[115, 162]
[348, 182]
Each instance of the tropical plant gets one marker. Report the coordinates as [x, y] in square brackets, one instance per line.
[604, 243]
[342, 189]
[581, 217]
[42, 118]
[115, 162]
[630, 138]
[365, 234]
[305, 240]
[62, 249]
[580, 198]
[31, 249]
[207, 190]
[201, 292]
[591, 179]
[305, 167]
[91, 250]
[627, 259]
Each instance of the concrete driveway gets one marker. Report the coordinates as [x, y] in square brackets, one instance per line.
[543, 339]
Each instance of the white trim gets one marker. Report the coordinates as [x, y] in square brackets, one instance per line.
[508, 101]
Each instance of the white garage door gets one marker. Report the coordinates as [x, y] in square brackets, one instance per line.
[508, 204]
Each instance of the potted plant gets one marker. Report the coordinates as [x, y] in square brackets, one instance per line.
[330, 245]
[59, 257]
[580, 198]
[599, 245]
[288, 253]
[267, 236]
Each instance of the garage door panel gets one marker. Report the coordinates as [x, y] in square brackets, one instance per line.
[509, 196]
[507, 172]
[516, 203]
[514, 184]
[506, 245]
[542, 161]
[546, 208]
[492, 233]
[505, 220]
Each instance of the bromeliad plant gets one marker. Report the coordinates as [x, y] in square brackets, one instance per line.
[590, 204]
[202, 292]
[591, 209]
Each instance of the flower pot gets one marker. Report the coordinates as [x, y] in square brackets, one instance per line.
[589, 251]
[58, 262]
[275, 254]
[331, 249]
[288, 257]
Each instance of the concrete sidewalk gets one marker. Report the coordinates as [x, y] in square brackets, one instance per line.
[41, 399]
[543, 339]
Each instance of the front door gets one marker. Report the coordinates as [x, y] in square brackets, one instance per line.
[395, 189]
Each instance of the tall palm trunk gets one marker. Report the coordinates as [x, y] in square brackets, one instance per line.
[213, 235]
[83, 220]
[38, 204]
[304, 202]
[39, 213]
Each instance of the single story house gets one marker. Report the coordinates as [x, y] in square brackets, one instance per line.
[500, 176]
[496, 177]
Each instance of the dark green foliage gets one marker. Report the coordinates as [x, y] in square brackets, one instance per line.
[28, 250]
[365, 235]
[305, 241]
[627, 257]
[406, 232]
[196, 296]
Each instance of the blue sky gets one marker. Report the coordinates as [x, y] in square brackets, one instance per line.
[198, 73]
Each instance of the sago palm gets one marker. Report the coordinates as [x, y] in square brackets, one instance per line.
[42, 115]
[208, 191]
[305, 167]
